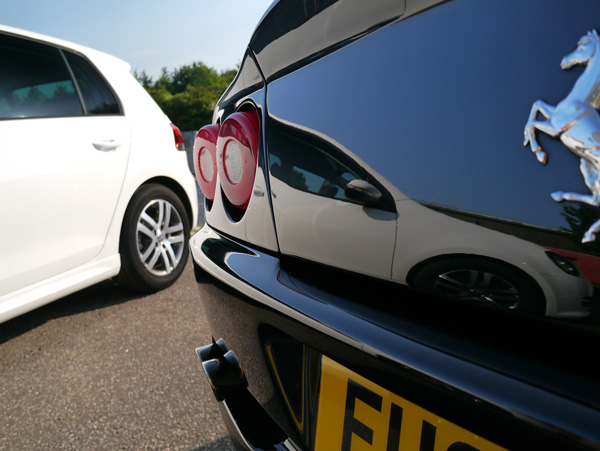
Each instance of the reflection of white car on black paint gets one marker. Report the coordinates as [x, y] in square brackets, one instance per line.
[92, 180]
[364, 158]
[408, 242]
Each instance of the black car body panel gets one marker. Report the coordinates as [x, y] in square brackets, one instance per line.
[459, 363]
[296, 33]
[424, 103]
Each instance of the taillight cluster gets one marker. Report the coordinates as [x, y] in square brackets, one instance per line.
[179, 143]
[205, 158]
[230, 150]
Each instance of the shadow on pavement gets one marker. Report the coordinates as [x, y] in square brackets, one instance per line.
[99, 296]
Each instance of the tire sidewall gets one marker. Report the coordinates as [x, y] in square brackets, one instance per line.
[531, 299]
[133, 272]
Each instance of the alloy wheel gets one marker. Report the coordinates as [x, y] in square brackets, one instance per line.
[160, 237]
[478, 285]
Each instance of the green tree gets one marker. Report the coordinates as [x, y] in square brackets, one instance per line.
[144, 79]
[188, 94]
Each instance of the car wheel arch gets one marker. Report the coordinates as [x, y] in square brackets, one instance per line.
[130, 275]
[176, 188]
[457, 258]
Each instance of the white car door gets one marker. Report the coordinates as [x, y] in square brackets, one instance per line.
[60, 177]
[311, 181]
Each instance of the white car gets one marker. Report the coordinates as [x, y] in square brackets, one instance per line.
[93, 180]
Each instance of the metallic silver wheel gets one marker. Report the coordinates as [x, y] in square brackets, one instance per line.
[482, 281]
[160, 237]
[154, 239]
[478, 285]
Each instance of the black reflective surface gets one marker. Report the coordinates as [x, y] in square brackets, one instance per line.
[428, 106]
[459, 99]
[489, 373]
[247, 80]
[437, 106]
[297, 32]
[313, 165]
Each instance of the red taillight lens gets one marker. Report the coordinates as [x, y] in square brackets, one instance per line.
[205, 159]
[237, 150]
[179, 144]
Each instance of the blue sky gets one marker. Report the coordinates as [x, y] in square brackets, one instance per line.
[148, 34]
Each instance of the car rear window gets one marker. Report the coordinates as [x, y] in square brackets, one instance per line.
[40, 80]
[35, 81]
[97, 95]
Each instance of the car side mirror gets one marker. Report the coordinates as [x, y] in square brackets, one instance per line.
[362, 192]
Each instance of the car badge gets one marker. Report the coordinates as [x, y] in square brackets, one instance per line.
[576, 122]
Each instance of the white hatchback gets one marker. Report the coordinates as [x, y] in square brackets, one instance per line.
[93, 180]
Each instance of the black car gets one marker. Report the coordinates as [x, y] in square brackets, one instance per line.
[402, 239]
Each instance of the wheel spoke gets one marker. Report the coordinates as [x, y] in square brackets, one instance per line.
[169, 257]
[175, 239]
[142, 228]
[166, 214]
[450, 285]
[174, 228]
[451, 282]
[474, 278]
[149, 220]
[148, 250]
[505, 300]
[486, 281]
[166, 262]
[476, 285]
[161, 213]
[505, 295]
[150, 264]
[160, 237]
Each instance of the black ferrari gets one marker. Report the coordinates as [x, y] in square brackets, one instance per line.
[402, 238]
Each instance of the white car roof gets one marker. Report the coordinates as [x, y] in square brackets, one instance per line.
[95, 55]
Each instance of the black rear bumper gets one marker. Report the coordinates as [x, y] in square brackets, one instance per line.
[481, 371]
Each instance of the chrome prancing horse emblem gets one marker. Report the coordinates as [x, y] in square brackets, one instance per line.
[576, 121]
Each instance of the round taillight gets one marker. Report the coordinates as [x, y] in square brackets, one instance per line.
[237, 150]
[205, 159]
[233, 161]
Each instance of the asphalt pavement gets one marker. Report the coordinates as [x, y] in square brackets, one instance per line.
[107, 368]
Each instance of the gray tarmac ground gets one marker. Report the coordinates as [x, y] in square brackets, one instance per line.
[106, 368]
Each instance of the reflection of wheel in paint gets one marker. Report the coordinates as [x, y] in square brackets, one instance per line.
[154, 240]
[481, 281]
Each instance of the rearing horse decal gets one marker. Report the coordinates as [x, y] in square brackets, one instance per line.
[576, 122]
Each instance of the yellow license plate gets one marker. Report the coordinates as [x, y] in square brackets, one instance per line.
[357, 415]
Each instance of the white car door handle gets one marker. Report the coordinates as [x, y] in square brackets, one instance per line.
[108, 144]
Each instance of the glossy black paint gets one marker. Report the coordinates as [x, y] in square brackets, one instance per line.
[443, 361]
[444, 121]
[406, 117]
[248, 80]
[431, 102]
[297, 32]
[292, 151]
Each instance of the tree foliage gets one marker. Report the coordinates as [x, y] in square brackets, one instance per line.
[188, 94]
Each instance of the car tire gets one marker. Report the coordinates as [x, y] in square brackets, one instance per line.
[483, 282]
[154, 243]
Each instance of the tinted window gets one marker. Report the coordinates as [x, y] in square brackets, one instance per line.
[97, 95]
[313, 165]
[34, 81]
